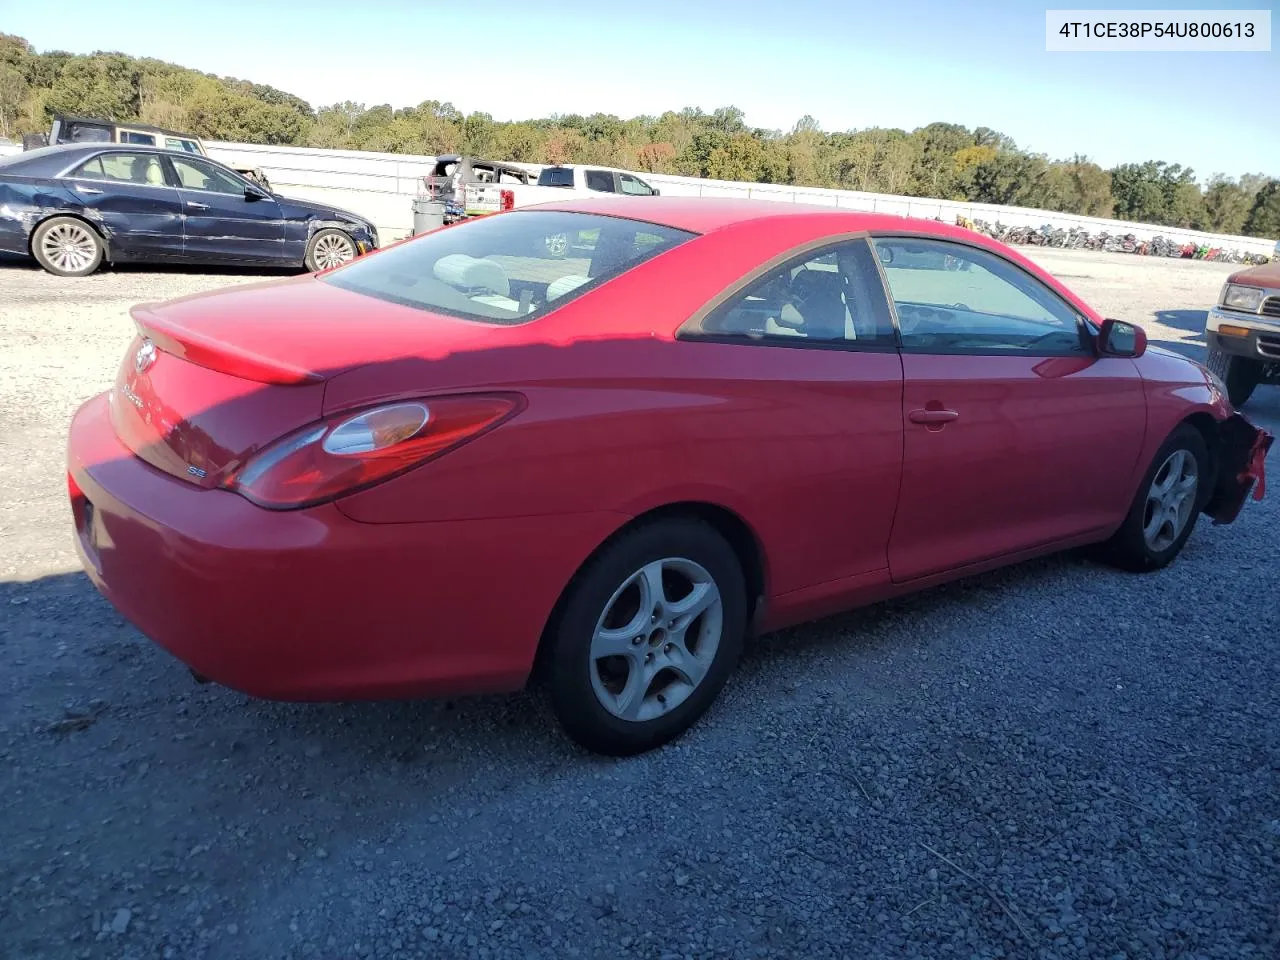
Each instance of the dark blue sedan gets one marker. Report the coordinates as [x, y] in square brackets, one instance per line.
[74, 207]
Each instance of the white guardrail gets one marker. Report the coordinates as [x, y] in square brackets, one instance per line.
[381, 186]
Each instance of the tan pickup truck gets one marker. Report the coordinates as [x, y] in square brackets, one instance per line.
[67, 129]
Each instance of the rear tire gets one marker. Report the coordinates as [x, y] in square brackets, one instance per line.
[67, 247]
[670, 598]
[1240, 374]
[1165, 509]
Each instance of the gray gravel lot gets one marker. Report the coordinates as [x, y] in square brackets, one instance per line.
[1056, 760]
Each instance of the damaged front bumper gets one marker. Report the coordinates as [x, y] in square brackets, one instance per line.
[1241, 458]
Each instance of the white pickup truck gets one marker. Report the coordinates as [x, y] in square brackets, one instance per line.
[554, 183]
[559, 182]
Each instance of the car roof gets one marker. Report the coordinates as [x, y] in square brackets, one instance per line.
[707, 214]
[128, 125]
[52, 160]
[96, 146]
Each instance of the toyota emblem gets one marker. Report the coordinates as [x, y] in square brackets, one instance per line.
[145, 357]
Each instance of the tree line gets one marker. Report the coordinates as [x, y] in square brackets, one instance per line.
[942, 160]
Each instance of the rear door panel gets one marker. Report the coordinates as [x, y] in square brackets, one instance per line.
[140, 214]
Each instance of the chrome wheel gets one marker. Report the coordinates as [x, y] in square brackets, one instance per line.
[69, 247]
[558, 244]
[1171, 500]
[656, 639]
[333, 250]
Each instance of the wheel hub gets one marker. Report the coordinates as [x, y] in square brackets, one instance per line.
[656, 639]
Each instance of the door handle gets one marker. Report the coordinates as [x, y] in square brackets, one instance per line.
[933, 416]
[81, 188]
[197, 206]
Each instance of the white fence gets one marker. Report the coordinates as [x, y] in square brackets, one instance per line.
[381, 186]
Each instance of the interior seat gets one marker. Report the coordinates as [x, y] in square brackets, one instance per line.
[818, 297]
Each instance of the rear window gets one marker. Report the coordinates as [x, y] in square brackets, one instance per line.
[556, 177]
[508, 267]
[87, 133]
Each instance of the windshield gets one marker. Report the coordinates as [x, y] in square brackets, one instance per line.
[507, 267]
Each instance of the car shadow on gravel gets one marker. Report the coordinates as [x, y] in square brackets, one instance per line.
[861, 627]
[1190, 320]
[379, 741]
[93, 645]
[19, 264]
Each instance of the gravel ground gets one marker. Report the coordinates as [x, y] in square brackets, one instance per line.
[1055, 760]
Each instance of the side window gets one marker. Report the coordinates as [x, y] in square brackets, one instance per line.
[86, 133]
[182, 146]
[198, 175]
[139, 139]
[140, 168]
[829, 296]
[601, 180]
[951, 298]
[634, 186]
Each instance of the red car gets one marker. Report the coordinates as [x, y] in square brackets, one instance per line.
[439, 467]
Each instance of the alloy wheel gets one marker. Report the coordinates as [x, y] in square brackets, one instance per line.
[1171, 500]
[69, 247]
[333, 250]
[656, 639]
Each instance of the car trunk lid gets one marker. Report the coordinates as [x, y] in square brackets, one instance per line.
[212, 378]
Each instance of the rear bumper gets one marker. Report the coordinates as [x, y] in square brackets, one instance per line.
[308, 604]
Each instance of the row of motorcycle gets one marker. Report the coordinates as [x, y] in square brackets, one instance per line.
[1077, 238]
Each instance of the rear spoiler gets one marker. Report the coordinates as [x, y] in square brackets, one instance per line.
[180, 341]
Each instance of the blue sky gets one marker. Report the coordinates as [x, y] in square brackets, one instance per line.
[850, 64]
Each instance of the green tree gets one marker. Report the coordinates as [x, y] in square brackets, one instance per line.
[1264, 218]
[1011, 178]
[104, 85]
[1156, 192]
[1226, 205]
[1078, 186]
[13, 94]
[935, 173]
[478, 130]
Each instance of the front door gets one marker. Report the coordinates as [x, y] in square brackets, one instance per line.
[223, 222]
[1017, 434]
[128, 194]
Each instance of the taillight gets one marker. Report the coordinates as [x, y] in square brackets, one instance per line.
[359, 448]
[508, 200]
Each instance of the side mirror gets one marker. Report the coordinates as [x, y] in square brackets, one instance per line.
[656, 191]
[253, 193]
[1120, 339]
[885, 254]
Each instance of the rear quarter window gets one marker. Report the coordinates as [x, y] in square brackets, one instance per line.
[509, 267]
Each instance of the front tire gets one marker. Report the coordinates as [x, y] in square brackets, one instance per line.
[1166, 506]
[647, 636]
[329, 248]
[67, 247]
[1240, 374]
